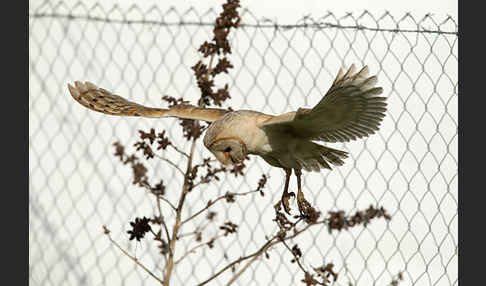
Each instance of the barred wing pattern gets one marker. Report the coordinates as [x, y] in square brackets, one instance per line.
[351, 109]
[104, 101]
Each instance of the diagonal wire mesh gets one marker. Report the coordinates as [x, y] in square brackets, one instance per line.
[409, 167]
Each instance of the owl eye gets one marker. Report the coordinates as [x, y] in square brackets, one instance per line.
[228, 149]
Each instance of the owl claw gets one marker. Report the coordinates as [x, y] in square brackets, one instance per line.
[286, 194]
[285, 200]
[302, 203]
[307, 211]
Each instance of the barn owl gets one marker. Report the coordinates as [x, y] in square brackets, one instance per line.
[351, 109]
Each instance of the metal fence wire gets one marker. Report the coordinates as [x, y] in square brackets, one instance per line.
[76, 184]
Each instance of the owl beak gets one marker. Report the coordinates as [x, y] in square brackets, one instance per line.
[228, 158]
[224, 158]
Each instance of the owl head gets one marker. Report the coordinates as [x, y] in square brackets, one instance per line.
[223, 138]
[228, 150]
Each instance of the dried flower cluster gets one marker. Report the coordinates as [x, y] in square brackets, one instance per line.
[218, 46]
[338, 220]
[261, 184]
[324, 273]
[139, 228]
[228, 227]
[289, 228]
[296, 252]
[138, 169]
[211, 173]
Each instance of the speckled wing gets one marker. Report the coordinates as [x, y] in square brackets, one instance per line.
[351, 109]
[104, 101]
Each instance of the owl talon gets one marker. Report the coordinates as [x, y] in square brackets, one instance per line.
[302, 203]
[307, 211]
[285, 200]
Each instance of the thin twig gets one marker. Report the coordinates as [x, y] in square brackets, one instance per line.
[197, 230]
[160, 197]
[171, 163]
[187, 234]
[198, 184]
[179, 151]
[168, 202]
[295, 256]
[210, 66]
[133, 258]
[237, 275]
[241, 259]
[196, 247]
[212, 202]
[162, 219]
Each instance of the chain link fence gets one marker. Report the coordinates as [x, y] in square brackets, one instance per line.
[77, 185]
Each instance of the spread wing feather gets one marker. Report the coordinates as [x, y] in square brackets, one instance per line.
[104, 101]
[351, 109]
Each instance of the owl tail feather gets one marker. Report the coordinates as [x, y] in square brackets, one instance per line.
[332, 156]
[313, 157]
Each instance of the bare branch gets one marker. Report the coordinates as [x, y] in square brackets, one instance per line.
[171, 163]
[212, 202]
[145, 185]
[192, 250]
[237, 275]
[177, 224]
[179, 151]
[162, 217]
[194, 232]
[255, 254]
[168, 202]
[297, 259]
[107, 233]
[267, 245]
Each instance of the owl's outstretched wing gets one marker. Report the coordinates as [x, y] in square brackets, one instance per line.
[102, 100]
[351, 109]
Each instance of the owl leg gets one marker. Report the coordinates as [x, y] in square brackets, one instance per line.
[302, 203]
[286, 195]
[300, 194]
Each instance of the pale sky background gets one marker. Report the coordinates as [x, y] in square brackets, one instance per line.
[76, 185]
